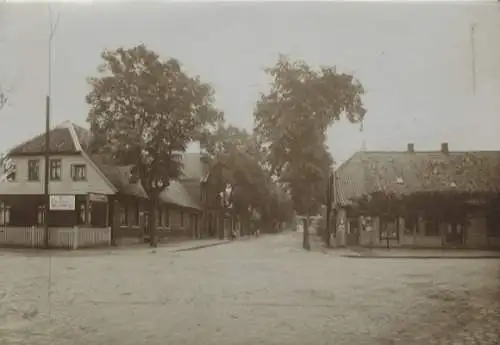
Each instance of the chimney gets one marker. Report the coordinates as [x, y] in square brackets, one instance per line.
[444, 148]
[411, 148]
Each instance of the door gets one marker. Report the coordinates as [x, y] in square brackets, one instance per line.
[194, 225]
[353, 232]
[454, 235]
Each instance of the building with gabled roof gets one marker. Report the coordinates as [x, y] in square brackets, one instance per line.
[415, 198]
[90, 191]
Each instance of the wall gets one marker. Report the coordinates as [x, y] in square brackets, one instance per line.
[94, 184]
[475, 236]
[185, 228]
[134, 231]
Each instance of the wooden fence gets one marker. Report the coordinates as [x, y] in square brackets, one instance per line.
[69, 238]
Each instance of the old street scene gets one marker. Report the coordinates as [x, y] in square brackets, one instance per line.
[254, 173]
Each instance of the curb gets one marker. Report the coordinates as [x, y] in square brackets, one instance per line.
[419, 257]
[201, 246]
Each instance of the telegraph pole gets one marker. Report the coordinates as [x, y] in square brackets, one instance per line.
[52, 30]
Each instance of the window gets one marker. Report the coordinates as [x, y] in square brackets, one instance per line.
[55, 170]
[11, 175]
[182, 219]
[4, 214]
[40, 216]
[431, 227]
[79, 172]
[167, 217]
[164, 217]
[34, 170]
[411, 223]
[123, 215]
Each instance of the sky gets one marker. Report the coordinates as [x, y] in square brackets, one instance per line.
[414, 60]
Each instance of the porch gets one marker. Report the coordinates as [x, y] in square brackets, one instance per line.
[75, 221]
[430, 221]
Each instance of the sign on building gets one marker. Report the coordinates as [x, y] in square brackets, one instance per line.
[62, 203]
[98, 197]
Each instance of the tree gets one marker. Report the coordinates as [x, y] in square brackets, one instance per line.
[252, 187]
[144, 112]
[292, 120]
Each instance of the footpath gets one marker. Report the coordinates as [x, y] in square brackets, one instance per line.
[172, 246]
[359, 252]
[406, 253]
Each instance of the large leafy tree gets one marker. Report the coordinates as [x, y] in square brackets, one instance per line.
[292, 120]
[145, 111]
[242, 159]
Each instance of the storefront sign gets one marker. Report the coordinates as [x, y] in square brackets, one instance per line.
[62, 203]
[98, 197]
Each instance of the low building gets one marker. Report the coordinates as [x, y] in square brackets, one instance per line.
[93, 201]
[420, 199]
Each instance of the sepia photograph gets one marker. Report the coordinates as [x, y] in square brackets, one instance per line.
[250, 172]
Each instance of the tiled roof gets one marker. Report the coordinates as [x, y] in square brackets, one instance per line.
[177, 194]
[60, 142]
[119, 176]
[404, 173]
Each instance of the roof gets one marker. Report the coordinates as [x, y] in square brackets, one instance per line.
[71, 138]
[119, 176]
[177, 194]
[60, 142]
[404, 173]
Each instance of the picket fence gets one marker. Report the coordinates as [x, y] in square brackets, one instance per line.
[69, 238]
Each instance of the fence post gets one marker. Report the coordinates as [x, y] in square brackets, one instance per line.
[33, 239]
[75, 238]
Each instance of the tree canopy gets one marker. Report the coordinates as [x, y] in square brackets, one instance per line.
[242, 158]
[292, 120]
[144, 111]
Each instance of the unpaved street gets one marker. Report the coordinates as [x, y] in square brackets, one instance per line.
[259, 291]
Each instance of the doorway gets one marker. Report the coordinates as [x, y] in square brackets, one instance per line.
[454, 235]
[353, 232]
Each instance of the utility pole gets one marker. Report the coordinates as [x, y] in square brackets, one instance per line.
[327, 233]
[473, 55]
[52, 30]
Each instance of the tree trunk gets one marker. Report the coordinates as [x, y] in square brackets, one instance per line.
[305, 238]
[153, 240]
